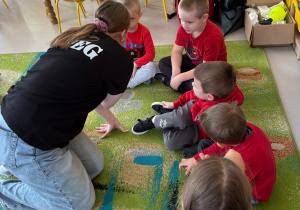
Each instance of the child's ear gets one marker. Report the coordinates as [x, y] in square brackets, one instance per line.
[210, 97]
[141, 13]
[204, 17]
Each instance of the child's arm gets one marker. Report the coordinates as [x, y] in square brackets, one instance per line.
[186, 97]
[149, 49]
[176, 59]
[135, 67]
[213, 150]
[187, 165]
[168, 105]
[178, 79]
[236, 157]
[183, 99]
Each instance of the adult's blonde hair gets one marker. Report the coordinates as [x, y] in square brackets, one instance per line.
[201, 7]
[113, 13]
[216, 184]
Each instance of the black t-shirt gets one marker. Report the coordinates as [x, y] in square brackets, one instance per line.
[49, 106]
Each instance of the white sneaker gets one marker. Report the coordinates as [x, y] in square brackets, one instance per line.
[4, 171]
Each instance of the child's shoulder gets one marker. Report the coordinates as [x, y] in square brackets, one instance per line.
[255, 130]
[142, 27]
[256, 138]
[212, 30]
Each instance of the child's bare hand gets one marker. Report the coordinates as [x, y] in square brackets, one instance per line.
[187, 165]
[135, 68]
[203, 156]
[176, 82]
[168, 105]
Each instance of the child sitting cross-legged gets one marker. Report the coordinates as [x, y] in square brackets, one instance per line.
[214, 82]
[140, 46]
[226, 125]
[202, 41]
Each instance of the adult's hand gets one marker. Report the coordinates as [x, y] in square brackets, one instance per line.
[103, 110]
[107, 128]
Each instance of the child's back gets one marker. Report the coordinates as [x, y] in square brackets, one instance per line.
[226, 125]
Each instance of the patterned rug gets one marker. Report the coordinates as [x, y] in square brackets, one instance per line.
[140, 172]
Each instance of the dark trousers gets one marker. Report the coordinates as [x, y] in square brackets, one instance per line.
[204, 143]
[165, 66]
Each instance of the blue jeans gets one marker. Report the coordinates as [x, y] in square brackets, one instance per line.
[55, 179]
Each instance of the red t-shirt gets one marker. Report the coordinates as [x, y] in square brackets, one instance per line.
[200, 105]
[259, 160]
[140, 45]
[208, 46]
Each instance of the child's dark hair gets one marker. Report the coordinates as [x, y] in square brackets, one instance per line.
[225, 123]
[113, 13]
[217, 78]
[201, 7]
[216, 184]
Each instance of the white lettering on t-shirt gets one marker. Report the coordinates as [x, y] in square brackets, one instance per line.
[87, 48]
[92, 54]
[80, 45]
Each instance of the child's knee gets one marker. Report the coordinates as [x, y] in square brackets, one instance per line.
[164, 62]
[152, 68]
[171, 145]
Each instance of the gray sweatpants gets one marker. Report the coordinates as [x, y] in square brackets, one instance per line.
[178, 127]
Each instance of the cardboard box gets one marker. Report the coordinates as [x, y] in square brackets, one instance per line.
[269, 35]
[296, 44]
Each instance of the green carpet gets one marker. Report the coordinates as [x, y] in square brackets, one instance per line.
[140, 173]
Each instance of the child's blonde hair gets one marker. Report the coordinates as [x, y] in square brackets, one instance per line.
[225, 123]
[201, 7]
[217, 78]
[216, 184]
[114, 14]
[132, 5]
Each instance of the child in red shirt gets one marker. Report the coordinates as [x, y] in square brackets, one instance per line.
[226, 125]
[201, 39]
[214, 82]
[140, 46]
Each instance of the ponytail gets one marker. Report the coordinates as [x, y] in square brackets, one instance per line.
[114, 14]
